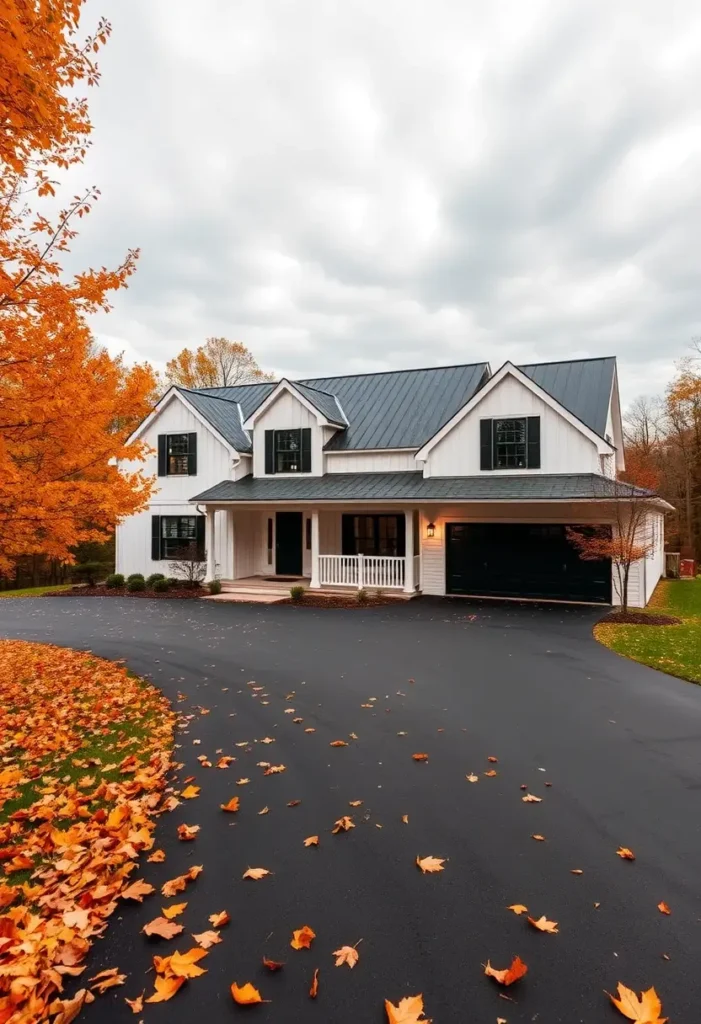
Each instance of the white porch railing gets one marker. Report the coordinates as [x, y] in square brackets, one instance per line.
[376, 571]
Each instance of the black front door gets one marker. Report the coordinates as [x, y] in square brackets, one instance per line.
[288, 543]
[521, 560]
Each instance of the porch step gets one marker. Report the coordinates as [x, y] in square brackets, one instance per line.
[233, 588]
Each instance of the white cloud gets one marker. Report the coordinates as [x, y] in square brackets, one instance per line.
[368, 185]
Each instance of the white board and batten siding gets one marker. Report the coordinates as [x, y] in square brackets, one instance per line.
[371, 462]
[287, 413]
[172, 493]
[563, 448]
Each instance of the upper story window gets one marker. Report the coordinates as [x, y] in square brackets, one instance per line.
[510, 443]
[288, 451]
[177, 454]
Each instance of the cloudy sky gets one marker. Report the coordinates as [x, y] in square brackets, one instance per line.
[375, 184]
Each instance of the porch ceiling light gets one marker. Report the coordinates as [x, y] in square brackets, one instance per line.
[431, 530]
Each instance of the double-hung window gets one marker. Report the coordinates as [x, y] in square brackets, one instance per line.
[175, 537]
[177, 454]
[288, 451]
[510, 443]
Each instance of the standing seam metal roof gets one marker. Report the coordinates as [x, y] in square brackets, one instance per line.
[583, 386]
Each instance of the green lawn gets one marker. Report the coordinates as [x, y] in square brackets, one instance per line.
[34, 591]
[672, 649]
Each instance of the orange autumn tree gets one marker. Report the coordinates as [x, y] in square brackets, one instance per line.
[219, 363]
[66, 407]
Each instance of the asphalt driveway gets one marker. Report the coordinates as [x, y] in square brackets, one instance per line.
[620, 745]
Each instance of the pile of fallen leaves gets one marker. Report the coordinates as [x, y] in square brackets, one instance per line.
[84, 755]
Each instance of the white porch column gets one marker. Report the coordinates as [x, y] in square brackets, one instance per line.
[316, 582]
[232, 535]
[409, 551]
[209, 540]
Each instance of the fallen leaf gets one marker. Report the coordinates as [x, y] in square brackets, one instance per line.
[162, 927]
[165, 989]
[343, 824]
[541, 839]
[173, 911]
[310, 730]
[543, 925]
[246, 995]
[275, 769]
[518, 908]
[338, 743]
[491, 774]
[186, 832]
[232, 805]
[408, 1011]
[645, 1010]
[289, 711]
[624, 853]
[136, 891]
[314, 987]
[420, 757]
[430, 864]
[529, 798]
[494, 760]
[405, 819]
[157, 857]
[217, 920]
[272, 965]
[576, 871]
[267, 739]
[136, 1005]
[302, 938]
[346, 955]
[509, 975]
[190, 792]
[264, 811]
[294, 803]
[225, 761]
[354, 803]
[352, 736]
[183, 965]
[107, 979]
[207, 939]
[472, 778]
[242, 782]
[256, 873]
[311, 841]
[663, 908]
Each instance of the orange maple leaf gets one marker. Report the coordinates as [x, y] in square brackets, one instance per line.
[246, 995]
[207, 939]
[272, 965]
[136, 1005]
[624, 853]
[643, 1010]
[419, 757]
[232, 805]
[543, 925]
[162, 927]
[220, 919]
[410, 1010]
[190, 792]
[137, 890]
[165, 989]
[256, 873]
[173, 910]
[663, 908]
[186, 832]
[314, 987]
[346, 955]
[343, 824]
[311, 841]
[338, 743]
[430, 864]
[303, 937]
[518, 908]
[510, 974]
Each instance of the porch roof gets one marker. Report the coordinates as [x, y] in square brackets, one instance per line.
[410, 486]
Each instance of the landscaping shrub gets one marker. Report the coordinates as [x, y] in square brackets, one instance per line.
[160, 586]
[136, 583]
[297, 593]
[215, 587]
[135, 576]
[362, 596]
[150, 580]
[114, 580]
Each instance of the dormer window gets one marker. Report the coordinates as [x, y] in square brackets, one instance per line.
[177, 454]
[288, 451]
[510, 443]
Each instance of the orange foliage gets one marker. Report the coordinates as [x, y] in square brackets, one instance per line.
[217, 363]
[66, 408]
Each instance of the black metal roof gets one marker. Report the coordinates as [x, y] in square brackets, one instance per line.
[405, 408]
[415, 487]
[223, 414]
[582, 385]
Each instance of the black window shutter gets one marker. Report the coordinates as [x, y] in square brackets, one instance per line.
[401, 536]
[199, 523]
[307, 450]
[269, 452]
[162, 454]
[192, 454]
[348, 535]
[486, 445]
[156, 537]
[533, 438]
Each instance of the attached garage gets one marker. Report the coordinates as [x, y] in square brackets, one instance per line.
[534, 560]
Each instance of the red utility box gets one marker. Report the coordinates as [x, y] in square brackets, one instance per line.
[687, 568]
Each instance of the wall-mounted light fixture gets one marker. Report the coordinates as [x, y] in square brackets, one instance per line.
[431, 530]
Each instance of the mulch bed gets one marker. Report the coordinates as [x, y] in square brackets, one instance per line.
[640, 619]
[339, 601]
[102, 591]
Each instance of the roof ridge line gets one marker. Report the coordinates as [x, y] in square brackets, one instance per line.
[406, 369]
[553, 362]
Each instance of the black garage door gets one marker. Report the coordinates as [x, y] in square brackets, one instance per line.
[521, 560]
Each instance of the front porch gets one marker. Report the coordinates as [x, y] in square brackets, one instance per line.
[272, 548]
